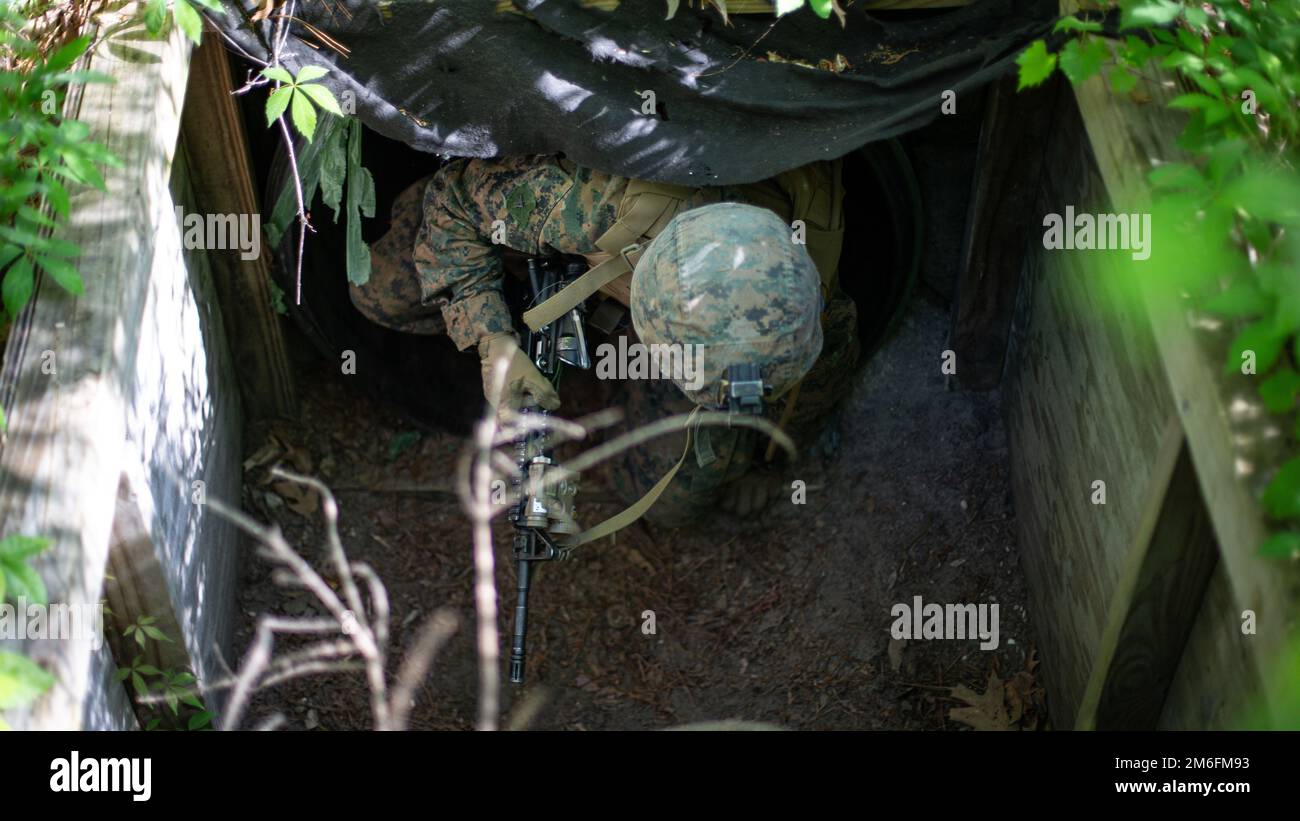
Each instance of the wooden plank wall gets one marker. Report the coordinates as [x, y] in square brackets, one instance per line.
[1086, 401]
[63, 456]
[1138, 603]
[104, 452]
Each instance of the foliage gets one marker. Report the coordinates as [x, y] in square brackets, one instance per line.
[43, 153]
[330, 163]
[154, 686]
[18, 579]
[144, 629]
[21, 680]
[1227, 218]
[300, 96]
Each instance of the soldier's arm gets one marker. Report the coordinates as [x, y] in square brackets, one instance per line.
[456, 260]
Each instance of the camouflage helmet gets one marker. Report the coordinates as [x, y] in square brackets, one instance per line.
[727, 278]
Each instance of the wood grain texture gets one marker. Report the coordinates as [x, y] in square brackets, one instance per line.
[1234, 442]
[62, 459]
[1152, 611]
[222, 178]
[1008, 168]
[1086, 401]
[136, 586]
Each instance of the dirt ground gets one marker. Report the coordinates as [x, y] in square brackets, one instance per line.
[783, 618]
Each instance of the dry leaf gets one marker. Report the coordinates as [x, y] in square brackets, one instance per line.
[987, 710]
[264, 12]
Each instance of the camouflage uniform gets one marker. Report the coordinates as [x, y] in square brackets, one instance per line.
[541, 204]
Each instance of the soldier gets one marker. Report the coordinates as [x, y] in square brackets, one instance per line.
[712, 268]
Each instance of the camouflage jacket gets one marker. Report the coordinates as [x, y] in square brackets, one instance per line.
[532, 204]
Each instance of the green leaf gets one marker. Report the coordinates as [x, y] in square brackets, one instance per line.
[147, 620]
[303, 115]
[155, 14]
[199, 720]
[1279, 390]
[63, 272]
[1241, 299]
[155, 633]
[121, 674]
[1285, 545]
[21, 680]
[1036, 65]
[148, 670]
[21, 548]
[17, 288]
[822, 8]
[278, 73]
[211, 5]
[83, 170]
[189, 698]
[57, 196]
[1121, 80]
[672, 8]
[8, 254]
[1259, 337]
[782, 7]
[1150, 13]
[323, 97]
[276, 103]
[24, 582]
[361, 201]
[334, 169]
[153, 724]
[66, 56]
[1073, 23]
[172, 702]
[1080, 59]
[308, 73]
[1266, 193]
[140, 638]
[138, 683]
[189, 20]
[1214, 109]
[1281, 499]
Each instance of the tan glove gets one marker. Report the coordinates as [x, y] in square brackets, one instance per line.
[522, 377]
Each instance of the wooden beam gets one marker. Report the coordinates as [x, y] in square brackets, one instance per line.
[222, 176]
[1154, 605]
[1224, 419]
[137, 586]
[70, 360]
[1009, 164]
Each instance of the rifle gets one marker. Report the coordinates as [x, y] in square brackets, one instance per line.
[540, 513]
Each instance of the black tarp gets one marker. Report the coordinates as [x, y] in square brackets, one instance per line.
[459, 78]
